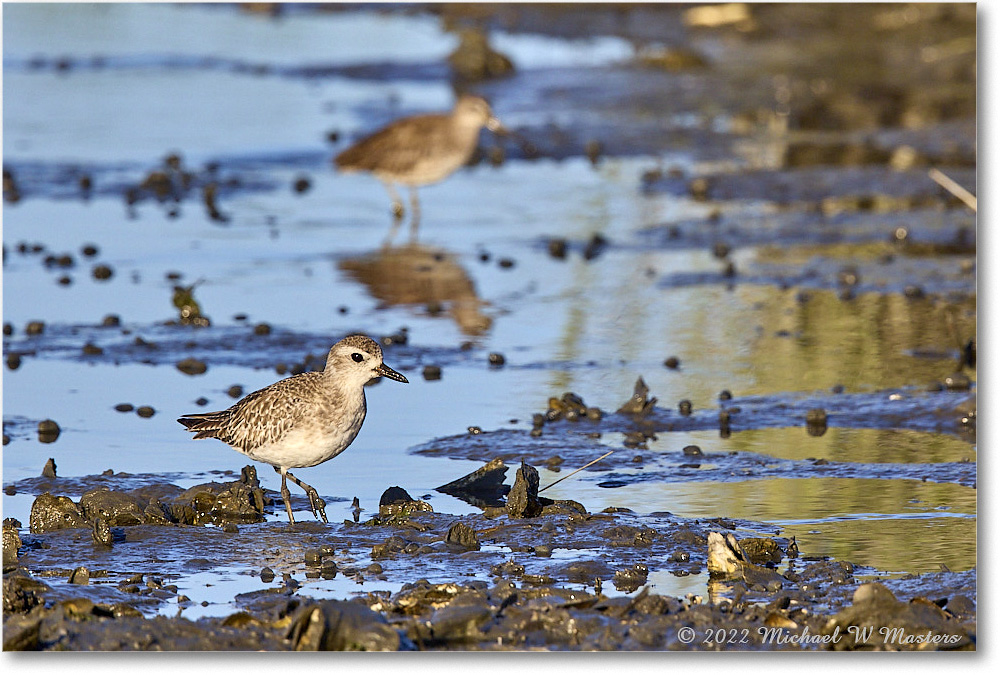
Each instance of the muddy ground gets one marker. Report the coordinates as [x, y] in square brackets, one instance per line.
[817, 202]
[531, 573]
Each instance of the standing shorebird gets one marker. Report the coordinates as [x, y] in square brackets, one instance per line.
[420, 150]
[304, 420]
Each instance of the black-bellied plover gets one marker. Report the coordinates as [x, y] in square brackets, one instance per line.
[420, 150]
[303, 420]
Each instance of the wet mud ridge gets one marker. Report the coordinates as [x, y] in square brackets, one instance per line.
[570, 434]
[106, 572]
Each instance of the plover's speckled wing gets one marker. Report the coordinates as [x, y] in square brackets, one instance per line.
[263, 416]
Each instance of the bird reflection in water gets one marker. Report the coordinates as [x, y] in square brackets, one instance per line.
[424, 276]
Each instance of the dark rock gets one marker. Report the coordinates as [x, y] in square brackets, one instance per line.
[117, 508]
[49, 513]
[102, 272]
[672, 362]
[80, 575]
[727, 560]
[462, 536]
[432, 373]
[90, 349]
[693, 451]
[496, 360]
[629, 579]
[101, 532]
[340, 625]
[191, 366]
[240, 501]
[34, 328]
[145, 411]
[483, 487]
[11, 546]
[523, 502]
[894, 625]
[639, 404]
[397, 501]
[49, 470]
[124, 407]
[557, 248]
[594, 247]
[48, 428]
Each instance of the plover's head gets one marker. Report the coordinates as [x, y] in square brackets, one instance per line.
[475, 111]
[358, 358]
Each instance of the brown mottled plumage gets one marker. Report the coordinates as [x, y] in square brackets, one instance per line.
[303, 420]
[420, 150]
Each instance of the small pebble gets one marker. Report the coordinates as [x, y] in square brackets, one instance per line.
[48, 427]
[111, 321]
[191, 366]
[13, 360]
[145, 411]
[725, 395]
[267, 575]
[557, 248]
[475, 431]
[262, 329]
[102, 272]
[35, 328]
[684, 407]
[432, 372]
[496, 359]
[89, 250]
[693, 451]
[124, 407]
[92, 350]
[301, 184]
[8, 328]
[506, 263]
[672, 362]
[235, 391]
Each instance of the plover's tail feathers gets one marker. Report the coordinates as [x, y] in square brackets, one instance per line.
[206, 425]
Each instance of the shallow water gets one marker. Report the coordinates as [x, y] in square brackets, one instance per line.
[234, 91]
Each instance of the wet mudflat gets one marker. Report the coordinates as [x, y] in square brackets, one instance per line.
[752, 233]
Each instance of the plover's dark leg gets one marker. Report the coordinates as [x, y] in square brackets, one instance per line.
[316, 502]
[286, 495]
[414, 213]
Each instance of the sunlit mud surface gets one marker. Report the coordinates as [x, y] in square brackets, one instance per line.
[739, 213]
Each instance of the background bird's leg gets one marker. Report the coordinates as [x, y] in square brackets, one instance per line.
[397, 203]
[286, 495]
[316, 502]
[414, 213]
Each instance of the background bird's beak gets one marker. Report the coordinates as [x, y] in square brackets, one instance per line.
[386, 371]
[494, 125]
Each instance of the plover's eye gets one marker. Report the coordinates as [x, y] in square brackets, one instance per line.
[358, 358]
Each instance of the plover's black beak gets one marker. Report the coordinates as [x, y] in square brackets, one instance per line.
[386, 371]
